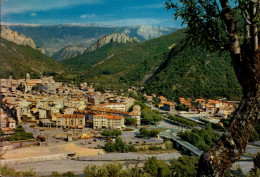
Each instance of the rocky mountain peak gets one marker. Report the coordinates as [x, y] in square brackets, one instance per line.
[18, 38]
[116, 37]
[68, 52]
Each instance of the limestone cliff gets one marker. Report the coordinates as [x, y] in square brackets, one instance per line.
[68, 52]
[117, 37]
[41, 49]
[15, 37]
[150, 32]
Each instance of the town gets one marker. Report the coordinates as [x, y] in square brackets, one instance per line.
[47, 103]
[52, 114]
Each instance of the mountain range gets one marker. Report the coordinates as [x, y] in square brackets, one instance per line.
[56, 37]
[71, 52]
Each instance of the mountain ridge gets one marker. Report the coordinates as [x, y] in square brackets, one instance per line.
[55, 37]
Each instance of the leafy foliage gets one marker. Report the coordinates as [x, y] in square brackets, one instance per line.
[115, 133]
[6, 171]
[148, 133]
[182, 121]
[20, 134]
[185, 166]
[130, 121]
[255, 172]
[119, 146]
[203, 139]
[150, 116]
[156, 167]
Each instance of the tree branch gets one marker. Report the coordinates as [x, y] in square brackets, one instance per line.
[246, 19]
[231, 26]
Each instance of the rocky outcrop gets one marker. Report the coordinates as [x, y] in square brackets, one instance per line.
[150, 32]
[15, 37]
[117, 37]
[68, 52]
[41, 49]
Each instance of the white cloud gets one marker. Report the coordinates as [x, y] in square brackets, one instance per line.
[19, 6]
[88, 16]
[33, 14]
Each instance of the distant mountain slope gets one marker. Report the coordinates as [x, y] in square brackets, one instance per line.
[90, 59]
[165, 66]
[55, 37]
[192, 71]
[17, 60]
[68, 52]
[128, 65]
[71, 52]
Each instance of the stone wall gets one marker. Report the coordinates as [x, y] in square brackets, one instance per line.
[34, 159]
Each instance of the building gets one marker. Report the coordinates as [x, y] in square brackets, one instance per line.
[115, 106]
[168, 106]
[108, 121]
[70, 121]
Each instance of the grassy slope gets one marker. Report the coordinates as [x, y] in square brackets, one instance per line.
[17, 60]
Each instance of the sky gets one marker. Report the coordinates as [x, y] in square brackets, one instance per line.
[104, 12]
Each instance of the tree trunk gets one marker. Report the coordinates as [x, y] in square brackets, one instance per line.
[233, 142]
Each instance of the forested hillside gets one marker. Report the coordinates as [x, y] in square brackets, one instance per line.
[17, 60]
[192, 71]
[165, 66]
[124, 67]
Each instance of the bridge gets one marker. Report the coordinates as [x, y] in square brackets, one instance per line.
[187, 147]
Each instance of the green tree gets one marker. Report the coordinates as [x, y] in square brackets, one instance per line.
[184, 166]
[154, 133]
[109, 147]
[94, 171]
[144, 132]
[130, 121]
[220, 27]
[255, 172]
[116, 133]
[156, 167]
[106, 133]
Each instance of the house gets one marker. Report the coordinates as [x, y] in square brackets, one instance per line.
[115, 106]
[149, 98]
[162, 99]
[70, 121]
[11, 123]
[168, 106]
[108, 121]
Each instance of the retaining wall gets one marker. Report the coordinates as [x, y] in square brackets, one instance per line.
[34, 159]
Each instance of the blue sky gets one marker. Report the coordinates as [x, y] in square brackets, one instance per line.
[107, 12]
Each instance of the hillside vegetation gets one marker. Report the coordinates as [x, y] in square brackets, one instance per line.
[124, 67]
[89, 59]
[192, 71]
[165, 66]
[17, 60]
